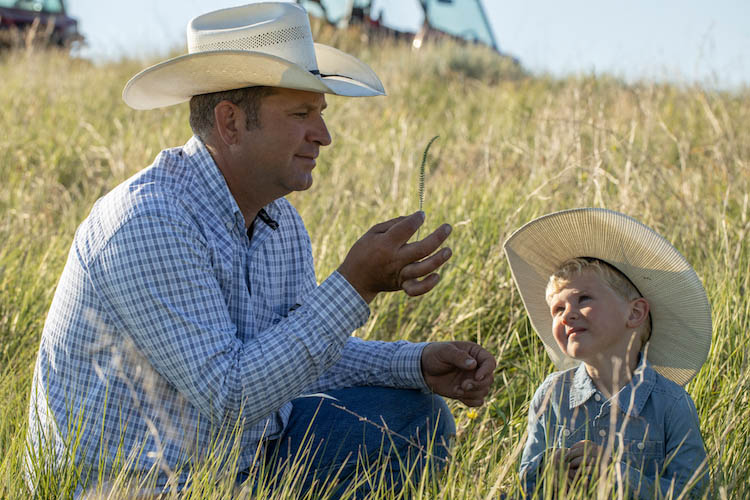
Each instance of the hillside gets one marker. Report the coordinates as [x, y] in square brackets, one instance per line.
[511, 147]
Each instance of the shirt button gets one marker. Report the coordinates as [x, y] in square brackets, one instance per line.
[602, 432]
[641, 446]
[566, 432]
[229, 225]
[597, 397]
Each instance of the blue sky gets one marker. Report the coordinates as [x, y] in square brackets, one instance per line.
[689, 41]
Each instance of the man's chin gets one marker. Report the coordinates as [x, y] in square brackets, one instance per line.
[304, 184]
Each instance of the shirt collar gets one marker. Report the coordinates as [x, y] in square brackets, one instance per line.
[583, 387]
[214, 187]
[633, 396]
[630, 399]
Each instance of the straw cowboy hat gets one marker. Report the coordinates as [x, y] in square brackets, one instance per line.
[680, 312]
[252, 45]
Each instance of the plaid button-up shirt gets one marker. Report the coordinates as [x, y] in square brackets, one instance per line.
[170, 326]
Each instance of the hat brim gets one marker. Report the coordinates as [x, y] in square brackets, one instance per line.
[178, 79]
[680, 311]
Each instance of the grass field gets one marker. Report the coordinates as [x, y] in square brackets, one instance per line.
[511, 148]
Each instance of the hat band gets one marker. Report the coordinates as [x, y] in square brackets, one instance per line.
[253, 42]
[326, 75]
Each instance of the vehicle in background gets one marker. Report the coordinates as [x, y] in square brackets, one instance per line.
[25, 22]
[464, 20]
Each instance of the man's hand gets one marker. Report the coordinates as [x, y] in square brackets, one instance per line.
[382, 260]
[458, 370]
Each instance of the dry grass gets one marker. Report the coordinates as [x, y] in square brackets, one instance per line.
[511, 148]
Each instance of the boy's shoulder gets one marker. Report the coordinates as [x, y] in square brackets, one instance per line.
[666, 388]
[555, 383]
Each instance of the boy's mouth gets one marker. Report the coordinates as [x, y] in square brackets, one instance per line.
[575, 331]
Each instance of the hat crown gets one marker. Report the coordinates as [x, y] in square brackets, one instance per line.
[277, 29]
[680, 311]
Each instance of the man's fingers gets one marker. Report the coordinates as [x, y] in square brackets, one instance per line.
[403, 229]
[475, 394]
[416, 287]
[480, 388]
[487, 365]
[457, 357]
[418, 250]
[383, 227]
[472, 402]
[425, 267]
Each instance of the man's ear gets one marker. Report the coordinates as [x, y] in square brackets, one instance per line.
[639, 309]
[228, 120]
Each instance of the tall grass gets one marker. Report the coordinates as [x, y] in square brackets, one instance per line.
[512, 148]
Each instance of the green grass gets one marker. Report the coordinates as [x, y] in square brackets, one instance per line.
[512, 148]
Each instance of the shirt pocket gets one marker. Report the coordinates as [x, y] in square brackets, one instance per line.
[643, 454]
[567, 435]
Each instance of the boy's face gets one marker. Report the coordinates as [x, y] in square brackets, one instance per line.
[590, 322]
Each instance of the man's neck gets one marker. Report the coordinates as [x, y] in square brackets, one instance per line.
[250, 204]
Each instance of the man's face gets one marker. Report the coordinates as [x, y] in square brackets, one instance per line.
[281, 153]
[589, 320]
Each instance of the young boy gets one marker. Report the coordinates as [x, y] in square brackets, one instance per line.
[607, 292]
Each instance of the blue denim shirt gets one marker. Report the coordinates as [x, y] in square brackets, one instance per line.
[653, 421]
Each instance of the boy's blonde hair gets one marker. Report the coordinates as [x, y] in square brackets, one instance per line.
[618, 282]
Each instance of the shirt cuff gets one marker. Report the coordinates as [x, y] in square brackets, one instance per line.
[406, 366]
[339, 306]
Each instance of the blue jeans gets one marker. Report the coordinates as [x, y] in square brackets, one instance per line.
[388, 432]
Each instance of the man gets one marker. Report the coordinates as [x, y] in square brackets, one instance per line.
[188, 318]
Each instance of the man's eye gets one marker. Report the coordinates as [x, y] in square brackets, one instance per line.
[583, 297]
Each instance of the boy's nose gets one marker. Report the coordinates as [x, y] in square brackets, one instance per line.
[570, 314]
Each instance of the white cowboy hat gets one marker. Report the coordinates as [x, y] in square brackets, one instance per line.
[252, 45]
[680, 312]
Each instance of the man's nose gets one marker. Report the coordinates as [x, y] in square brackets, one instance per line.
[319, 133]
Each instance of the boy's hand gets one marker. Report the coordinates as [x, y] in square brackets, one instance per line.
[559, 458]
[582, 458]
[458, 370]
[559, 461]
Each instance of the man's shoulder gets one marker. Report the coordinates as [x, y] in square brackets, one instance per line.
[162, 186]
[164, 189]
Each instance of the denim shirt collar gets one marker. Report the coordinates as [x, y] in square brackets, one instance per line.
[631, 398]
[215, 187]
